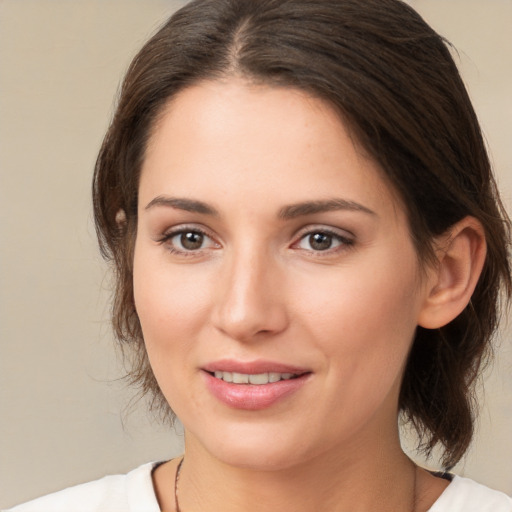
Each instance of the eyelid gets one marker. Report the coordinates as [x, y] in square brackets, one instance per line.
[322, 228]
[346, 238]
[184, 228]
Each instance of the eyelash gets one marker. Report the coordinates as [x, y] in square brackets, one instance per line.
[344, 243]
[183, 230]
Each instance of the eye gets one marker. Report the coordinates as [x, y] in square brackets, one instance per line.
[190, 240]
[323, 240]
[187, 241]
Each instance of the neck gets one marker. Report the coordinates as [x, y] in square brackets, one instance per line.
[350, 479]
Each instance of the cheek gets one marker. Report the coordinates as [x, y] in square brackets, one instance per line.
[171, 305]
[364, 330]
[366, 323]
[170, 302]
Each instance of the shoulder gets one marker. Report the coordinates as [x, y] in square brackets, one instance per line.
[466, 495]
[132, 492]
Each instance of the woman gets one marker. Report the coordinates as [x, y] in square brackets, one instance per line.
[308, 243]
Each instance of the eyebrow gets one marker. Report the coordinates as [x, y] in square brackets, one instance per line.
[310, 207]
[286, 212]
[180, 203]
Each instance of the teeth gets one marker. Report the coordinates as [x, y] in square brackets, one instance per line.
[225, 376]
[240, 378]
[258, 378]
[274, 377]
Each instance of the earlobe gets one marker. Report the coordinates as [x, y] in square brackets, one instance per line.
[461, 255]
[120, 218]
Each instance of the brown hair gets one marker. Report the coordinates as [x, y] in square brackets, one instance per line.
[394, 82]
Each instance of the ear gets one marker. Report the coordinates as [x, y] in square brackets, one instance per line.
[460, 258]
[120, 218]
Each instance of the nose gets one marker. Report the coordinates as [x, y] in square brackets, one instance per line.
[250, 300]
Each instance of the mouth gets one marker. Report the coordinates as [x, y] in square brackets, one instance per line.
[257, 379]
[255, 385]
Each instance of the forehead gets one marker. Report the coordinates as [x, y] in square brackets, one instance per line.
[260, 144]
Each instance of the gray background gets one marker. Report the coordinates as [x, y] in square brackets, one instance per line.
[63, 416]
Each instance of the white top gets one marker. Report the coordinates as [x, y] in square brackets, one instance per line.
[134, 492]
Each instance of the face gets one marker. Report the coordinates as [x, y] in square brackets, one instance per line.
[275, 279]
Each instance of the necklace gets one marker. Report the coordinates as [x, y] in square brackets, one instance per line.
[178, 471]
[176, 479]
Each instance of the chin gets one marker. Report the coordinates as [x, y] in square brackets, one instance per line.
[258, 459]
[258, 449]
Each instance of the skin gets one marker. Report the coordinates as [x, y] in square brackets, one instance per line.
[257, 288]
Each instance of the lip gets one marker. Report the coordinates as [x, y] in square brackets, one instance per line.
[252, 397]
[252, 367]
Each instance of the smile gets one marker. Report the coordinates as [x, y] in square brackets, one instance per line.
[253, 386]
[253, 378]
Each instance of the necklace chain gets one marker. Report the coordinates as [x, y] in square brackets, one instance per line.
[178, 471]
[176, 479]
